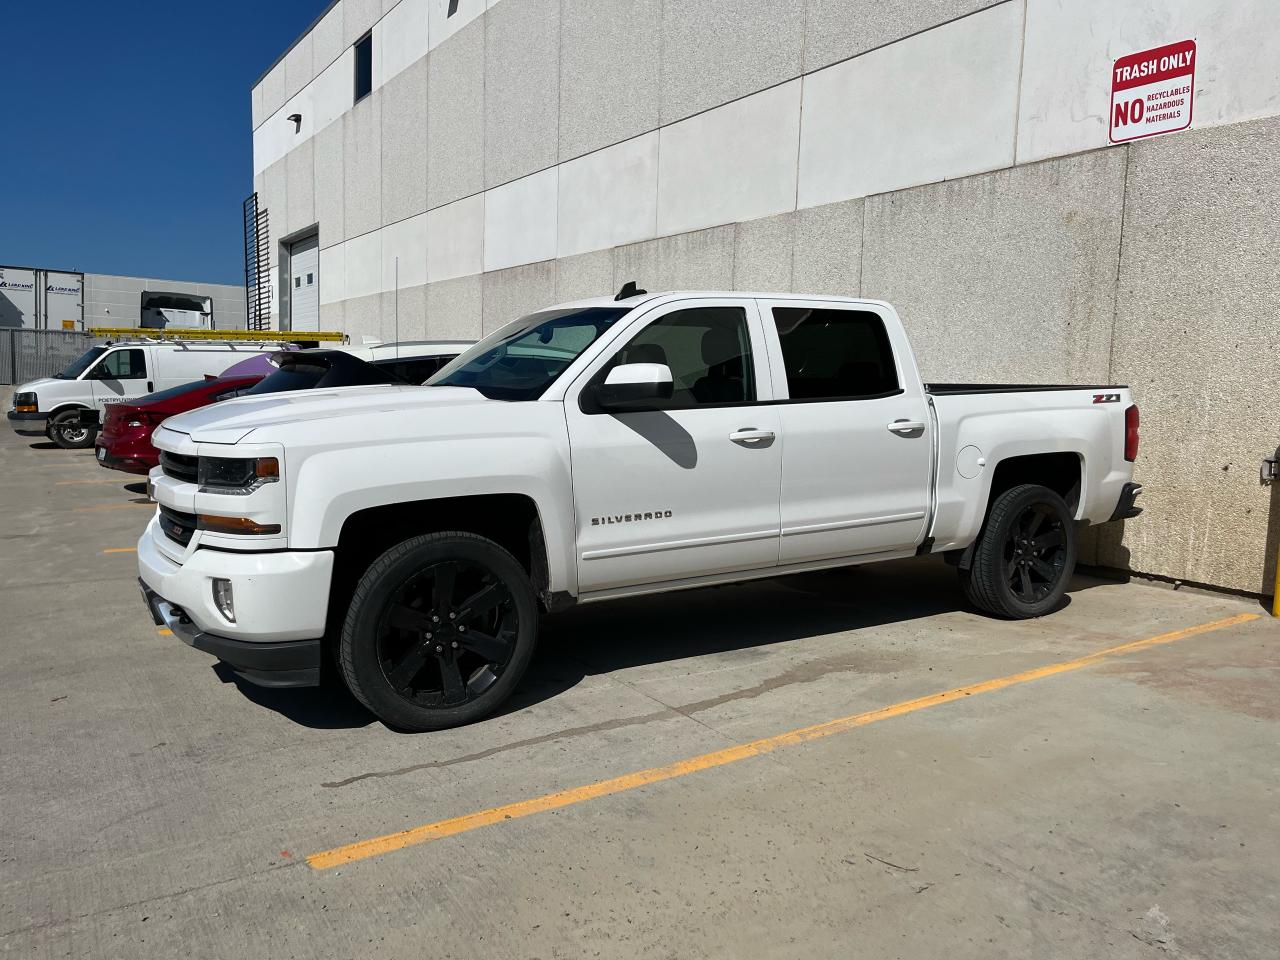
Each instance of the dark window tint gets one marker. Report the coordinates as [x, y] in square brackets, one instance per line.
[521, 360]
[122, 365]
[415, 370]
[708, 350]
[295, 376]
[831, 354]
[364, 68]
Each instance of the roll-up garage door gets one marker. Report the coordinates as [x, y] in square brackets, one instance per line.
[304, 284]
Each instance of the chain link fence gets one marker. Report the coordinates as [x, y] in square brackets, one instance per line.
[28, 354]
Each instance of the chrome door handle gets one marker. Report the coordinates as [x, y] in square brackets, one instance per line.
[905, 426]
[751, 437]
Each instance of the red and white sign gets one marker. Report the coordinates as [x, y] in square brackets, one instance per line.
[1151, 91]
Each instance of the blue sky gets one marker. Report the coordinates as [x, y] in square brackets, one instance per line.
[127, 142]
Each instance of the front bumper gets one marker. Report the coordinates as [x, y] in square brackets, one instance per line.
[292, 663]
[28, 424]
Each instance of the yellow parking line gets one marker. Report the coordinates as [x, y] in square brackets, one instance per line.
[164, 631]
[119, 482]
[121, 550]
[375, 846]
[113, 506]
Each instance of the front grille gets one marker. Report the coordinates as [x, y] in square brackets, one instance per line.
[177, 526]
[179, 466]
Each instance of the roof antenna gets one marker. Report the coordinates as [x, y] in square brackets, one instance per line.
[629, 289]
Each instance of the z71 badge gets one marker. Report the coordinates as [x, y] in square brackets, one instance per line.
[1106, 398]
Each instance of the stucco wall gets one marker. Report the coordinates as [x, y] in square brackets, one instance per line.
[950, 156]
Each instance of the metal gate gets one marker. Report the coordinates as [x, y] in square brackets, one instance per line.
[29, 354]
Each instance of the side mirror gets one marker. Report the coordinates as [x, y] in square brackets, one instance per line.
[634, 386]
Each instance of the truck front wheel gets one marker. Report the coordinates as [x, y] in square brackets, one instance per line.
[1024, 556]
[69, 432]
[440, 629]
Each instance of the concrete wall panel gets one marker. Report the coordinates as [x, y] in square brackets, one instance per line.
[453, 309]
[330, 185]
[300, 167]
[1066, 78]
[510, 294]
[333, 275]
[333, 316]
[298, 66]
[326, 40]
[332, 90]
[737, 162]
[690, 261]
[520, 221]
[1197, 337]
[364, 266]
[839, 29]
[828, 249]
[444, 26]
[609, 197]
[455, 117]
[256, 112]
[610, 57]
[763, 253]
[274, 195]
[586, 275]
[406, 240]
[937, 106]
[1004, 277]
[400, 39]
[714, 51]
[522, 89]
[455, 239]
[275, 89]
[364, 317]
[362, 166]
[358, 18]
[404, 314]
[404, 143]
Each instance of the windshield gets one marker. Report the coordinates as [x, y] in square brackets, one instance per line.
[520, 361]
[81, 365]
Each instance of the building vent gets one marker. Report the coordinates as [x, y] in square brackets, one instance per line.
[257, 265]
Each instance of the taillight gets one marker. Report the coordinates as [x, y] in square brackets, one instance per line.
[1131, 433]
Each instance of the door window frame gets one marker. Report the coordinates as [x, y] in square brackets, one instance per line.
[624, 332]
[92, 372]
[908, 377]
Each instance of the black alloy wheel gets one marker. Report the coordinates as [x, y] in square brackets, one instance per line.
[440, 630]
[1035, 552]
[1024, 557]
[448, 634]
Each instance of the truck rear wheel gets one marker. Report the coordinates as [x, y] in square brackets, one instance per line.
[439, 631]
[1024, 556]
[70, 433]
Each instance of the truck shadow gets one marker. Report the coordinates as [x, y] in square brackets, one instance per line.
[744, 620]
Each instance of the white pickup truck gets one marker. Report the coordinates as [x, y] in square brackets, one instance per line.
[409, 538]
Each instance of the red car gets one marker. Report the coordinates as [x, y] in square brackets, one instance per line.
[125, 440]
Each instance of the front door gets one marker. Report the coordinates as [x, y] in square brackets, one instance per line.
[120, 375]
[858, 459]
[689, 490]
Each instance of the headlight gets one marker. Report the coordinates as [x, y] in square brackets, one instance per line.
[25, 402]
[236, 475]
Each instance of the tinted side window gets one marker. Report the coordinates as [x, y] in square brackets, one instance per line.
[413, 371]
[834, 354]
[708, 350]
[122, 365]
[364, 68]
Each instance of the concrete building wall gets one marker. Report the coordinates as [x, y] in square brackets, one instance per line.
[950, 156]
[115, 301]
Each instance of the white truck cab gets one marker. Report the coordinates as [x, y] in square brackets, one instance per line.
[409, 537]
[115, 373]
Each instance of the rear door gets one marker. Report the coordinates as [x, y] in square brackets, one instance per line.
[857, 457]
[120, 374]
[690, 489]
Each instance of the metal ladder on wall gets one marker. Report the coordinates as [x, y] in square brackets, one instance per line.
[257, 265]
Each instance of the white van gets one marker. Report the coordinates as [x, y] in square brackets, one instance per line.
[67, 408]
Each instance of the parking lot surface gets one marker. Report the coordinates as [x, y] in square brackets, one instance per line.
[961, 787]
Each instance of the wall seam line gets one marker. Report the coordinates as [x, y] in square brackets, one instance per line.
[1115, 296]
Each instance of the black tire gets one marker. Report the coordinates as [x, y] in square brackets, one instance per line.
[439, 631]
[69, 433]
[1024, 556]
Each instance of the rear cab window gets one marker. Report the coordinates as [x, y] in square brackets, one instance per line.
[832, 353]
